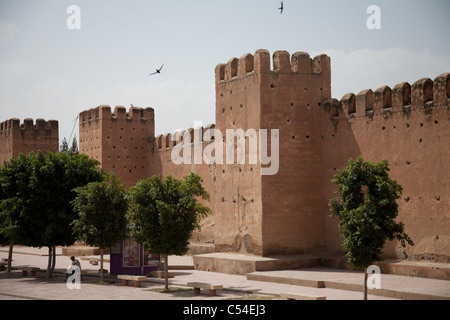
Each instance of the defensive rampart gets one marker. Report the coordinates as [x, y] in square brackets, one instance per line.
[409, 126]
[287, 212]
[120, 140]
[16, 137]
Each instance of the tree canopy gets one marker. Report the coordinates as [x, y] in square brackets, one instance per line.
[36, 195]
[101, 207]
[163, 213]
[367, 209]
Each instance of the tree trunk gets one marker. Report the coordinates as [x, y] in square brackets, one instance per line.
[166, 271]
[101, 265]
[53, 260]
[49, 264]
[10, 252]
[365, 284]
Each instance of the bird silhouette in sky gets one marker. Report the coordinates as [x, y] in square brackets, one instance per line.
[157, 71]
[281, 8]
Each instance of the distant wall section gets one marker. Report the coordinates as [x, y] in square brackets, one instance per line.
[16, 137]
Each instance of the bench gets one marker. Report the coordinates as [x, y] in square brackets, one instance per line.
[31, 270]
[2, 265]
[126, 278]
[301, 296]
[202, 285]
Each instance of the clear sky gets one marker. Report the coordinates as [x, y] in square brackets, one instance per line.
[50, 71]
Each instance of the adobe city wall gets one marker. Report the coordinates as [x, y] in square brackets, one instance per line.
[16, 137]
[119, 140]
[276, 203]
[409, 126]
[250, 94]
[287, 212]
[163, 155]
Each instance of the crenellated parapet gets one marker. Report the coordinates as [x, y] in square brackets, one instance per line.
[119, 139]
[264, 90]
[120, 113]
[283, 62]
[424, 93]
[14, 131]
[13, 125]
[170, 140]
[30, 135]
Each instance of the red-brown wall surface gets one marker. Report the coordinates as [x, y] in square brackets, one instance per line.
[287, 212]
[409, 126]
[16, 138]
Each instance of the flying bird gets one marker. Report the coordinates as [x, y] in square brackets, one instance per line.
[157, 71]
[281, 8]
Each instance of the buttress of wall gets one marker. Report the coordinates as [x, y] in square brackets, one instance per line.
[409, 126]
[174, 153]
[121, 141]
[291, 102]
[16, 138]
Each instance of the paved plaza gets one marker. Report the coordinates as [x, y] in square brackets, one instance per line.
[339, 284]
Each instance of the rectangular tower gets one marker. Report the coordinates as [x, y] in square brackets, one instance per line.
[16, 138]
[278, 213]
[121, 141]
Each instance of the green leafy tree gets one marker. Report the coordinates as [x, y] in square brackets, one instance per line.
[74, 147]
[64, 145]
[16, 224]
[53, 186]
[367, 209]
[163, 213]
[102, 208]
[37, 194]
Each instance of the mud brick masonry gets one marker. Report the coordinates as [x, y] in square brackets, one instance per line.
[286, 213]
[16, 137]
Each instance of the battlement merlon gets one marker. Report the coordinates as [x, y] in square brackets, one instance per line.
[283, 62]
[169, 140]
[26, 137]
[120, 113]
[424, 92]
[28, 124]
